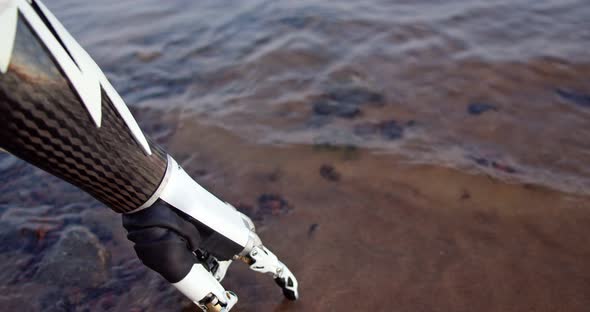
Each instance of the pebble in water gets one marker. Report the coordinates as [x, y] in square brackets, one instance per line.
[389, 129]
[273, 204]
[465, 195]
[480, 108]
[329, 173]
[268, 205]
[331, 108]
[485, 162]
[346, 102]
[312, 229]
[580, 99]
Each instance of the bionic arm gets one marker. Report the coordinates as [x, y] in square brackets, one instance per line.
[59, 112]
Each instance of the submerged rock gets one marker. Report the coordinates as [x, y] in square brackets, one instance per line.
[485, 162]
[480, 108]
[272, 204]
[312, 229]
[389, 129]
[329, 173]
[332, 108]
[346, 102]
[77, 259]
[580, 99]
[465, 195]
[268, 205]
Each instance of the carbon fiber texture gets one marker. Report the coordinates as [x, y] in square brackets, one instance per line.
[43, 122]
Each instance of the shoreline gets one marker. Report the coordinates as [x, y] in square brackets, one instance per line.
[386, 234]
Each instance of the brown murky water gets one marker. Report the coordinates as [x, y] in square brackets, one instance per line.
[430, 156]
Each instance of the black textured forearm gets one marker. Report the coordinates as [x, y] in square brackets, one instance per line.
[43, 121]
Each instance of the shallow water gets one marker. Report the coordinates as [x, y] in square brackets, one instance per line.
[257, 68]
[450, 139]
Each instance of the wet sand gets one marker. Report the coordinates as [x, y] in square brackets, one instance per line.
[389, 236]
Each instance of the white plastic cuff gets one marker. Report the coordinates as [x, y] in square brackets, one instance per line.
[199, 283]
[188, 196]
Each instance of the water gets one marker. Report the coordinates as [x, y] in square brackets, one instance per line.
[458, 129]
[257, 66]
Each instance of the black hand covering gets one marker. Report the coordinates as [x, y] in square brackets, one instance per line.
[164, 240]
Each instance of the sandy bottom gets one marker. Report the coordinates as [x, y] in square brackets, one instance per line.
[371, 232]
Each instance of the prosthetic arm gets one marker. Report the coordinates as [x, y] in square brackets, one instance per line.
[59, 112]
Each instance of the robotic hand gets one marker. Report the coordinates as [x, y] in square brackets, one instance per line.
[191, 238]
[59, 112]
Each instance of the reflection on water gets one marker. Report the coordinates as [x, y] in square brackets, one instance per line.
[462, 126]
[260, 67]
